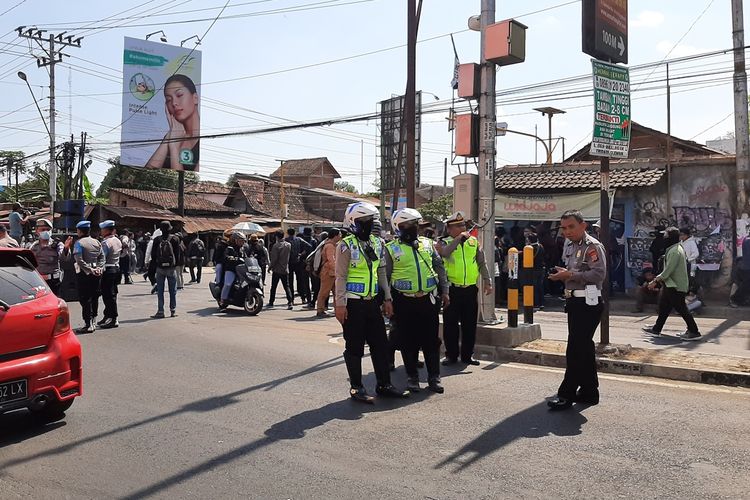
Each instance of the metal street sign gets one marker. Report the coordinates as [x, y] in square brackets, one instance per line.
[605, 29]
[611, 110]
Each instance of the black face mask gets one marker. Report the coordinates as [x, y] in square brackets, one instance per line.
[364, 229]
[409, 235]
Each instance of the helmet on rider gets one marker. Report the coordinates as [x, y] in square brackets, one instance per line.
[359, 217]
[405, 222]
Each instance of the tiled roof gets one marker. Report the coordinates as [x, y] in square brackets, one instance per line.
[304, 167]
[264, 197]
[207, 187]
[531, 178]
[168, 200]
[141, 213]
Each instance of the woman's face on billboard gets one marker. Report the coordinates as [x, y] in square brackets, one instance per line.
[180, 102]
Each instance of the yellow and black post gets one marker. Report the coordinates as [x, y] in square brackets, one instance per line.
[513, 287]
[527, 280]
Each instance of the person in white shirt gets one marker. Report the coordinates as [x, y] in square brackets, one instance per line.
[690, 245]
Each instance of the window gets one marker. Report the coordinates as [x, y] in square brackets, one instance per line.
[21, 284]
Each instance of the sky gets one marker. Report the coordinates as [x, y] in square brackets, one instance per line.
[326, 59]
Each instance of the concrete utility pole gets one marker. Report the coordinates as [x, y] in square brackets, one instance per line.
[410, 103]
[486, 187]
[741, 132]
[52, 57]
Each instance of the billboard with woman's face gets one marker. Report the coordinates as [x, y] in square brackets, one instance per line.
[160, 106]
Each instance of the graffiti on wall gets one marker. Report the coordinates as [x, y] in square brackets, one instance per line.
[639, 255]
[704, 221]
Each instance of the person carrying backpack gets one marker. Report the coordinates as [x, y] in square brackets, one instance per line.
[165, 253]
[196, 253]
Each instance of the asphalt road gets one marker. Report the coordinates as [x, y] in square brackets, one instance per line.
[210, 405]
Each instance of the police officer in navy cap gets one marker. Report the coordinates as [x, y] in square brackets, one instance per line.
[89, 265]
[112, 248]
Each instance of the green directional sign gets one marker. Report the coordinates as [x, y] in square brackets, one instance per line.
[611, 110]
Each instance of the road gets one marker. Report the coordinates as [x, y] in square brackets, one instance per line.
[210, 405]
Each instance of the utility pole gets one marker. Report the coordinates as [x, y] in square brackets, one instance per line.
[281, 195]
[362, 167]
[445, 176]
[410, 102]
[669, 146]
[52, 56]
[181, 193]
[488, 132]
[741, 133]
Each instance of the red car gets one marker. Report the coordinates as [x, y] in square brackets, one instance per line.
[40, 356]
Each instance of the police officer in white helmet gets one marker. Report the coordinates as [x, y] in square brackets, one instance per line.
[360, 273]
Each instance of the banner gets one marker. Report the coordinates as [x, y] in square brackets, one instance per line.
[546, 207]
[160, 106]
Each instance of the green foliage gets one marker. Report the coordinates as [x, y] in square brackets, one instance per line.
[344, 186]
[120, 176]
[438, 209]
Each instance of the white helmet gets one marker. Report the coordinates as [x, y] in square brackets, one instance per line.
[404, 215]
[356, 211]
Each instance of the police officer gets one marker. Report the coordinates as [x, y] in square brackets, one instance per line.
[583, 275]
[415, 270]
[48, 252]
[89, 264]
[464, 263]
[112, 249]
[360, 272]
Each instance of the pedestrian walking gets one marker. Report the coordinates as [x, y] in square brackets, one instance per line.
[164, 253]
[464, 264]
[196, 254]
[127, 257]
[419, 286]
[742, 274]
[360, 272]
[675, 285]
[583, 275]
[313, 266]
[312, 282]
[89, 264]
[327, 272]
[279, 267]
[300, 249]
[112, 248]
[181, 258]
[690, 245]
[48, 252]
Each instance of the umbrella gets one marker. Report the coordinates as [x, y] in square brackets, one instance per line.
[248, 228]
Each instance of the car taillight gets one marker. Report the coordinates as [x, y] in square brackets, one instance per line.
[62, 323]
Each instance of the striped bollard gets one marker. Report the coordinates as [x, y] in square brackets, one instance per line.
[513, 287]
[527, 279]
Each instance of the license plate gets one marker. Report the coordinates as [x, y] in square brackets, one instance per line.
[13, 391]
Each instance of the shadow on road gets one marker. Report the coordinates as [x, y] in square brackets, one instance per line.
[534, 422]
[18, 426]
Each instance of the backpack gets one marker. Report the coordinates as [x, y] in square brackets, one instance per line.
[314, 261]
[166, 253]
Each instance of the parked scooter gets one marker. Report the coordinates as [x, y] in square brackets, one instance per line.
[247, 289]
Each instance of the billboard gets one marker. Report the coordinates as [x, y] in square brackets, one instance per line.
[393, 143]
[160, 106]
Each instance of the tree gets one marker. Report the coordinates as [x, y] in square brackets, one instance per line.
[120, 176]
[438, 209]
[344, 186]
[12, 165]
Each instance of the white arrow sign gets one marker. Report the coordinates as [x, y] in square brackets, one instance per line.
[621, 46]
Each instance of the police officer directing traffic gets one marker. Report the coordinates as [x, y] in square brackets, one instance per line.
[112, 248]
[415, 270]
[464, 263]
[89, 264]
[48, 252]
[583, 275]
[360, 273]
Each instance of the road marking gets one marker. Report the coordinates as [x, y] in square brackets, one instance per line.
[640, 380]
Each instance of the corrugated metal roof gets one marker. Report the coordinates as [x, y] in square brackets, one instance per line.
[557, 178]
[168, 200]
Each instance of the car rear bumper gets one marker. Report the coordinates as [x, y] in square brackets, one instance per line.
[57, 372]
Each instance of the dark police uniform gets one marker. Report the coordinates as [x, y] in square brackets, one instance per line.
[586, 260]
[89, 264]
[112, 249]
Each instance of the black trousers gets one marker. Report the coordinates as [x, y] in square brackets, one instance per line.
[297, 271]
[418, 325]
[196, 263]
[364, 324]
[277, 278]
[125, 268]
[54, 285]
[109, 293]
[315, 288]
[670, 299]
[580, 356]
[462, 310]
[88, 296]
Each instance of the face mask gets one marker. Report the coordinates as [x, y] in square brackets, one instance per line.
[409, 235]
[45, 235]
[364, 229]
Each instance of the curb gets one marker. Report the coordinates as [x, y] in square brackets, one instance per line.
[619, 367]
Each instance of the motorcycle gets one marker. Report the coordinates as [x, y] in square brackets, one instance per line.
[247, 289]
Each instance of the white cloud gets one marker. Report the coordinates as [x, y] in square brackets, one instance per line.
[680, 51]
[648, 19]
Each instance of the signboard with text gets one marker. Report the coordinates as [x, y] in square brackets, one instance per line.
[546, 207]
[611, 110]
[605, 30]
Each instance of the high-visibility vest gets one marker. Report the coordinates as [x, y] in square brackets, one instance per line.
[362, 279]
[412, 267]
[461, 266]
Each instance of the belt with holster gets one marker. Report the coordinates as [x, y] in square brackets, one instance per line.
[569, 294]
[358, 297]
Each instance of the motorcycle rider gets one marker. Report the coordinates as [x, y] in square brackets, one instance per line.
[221, 246]
[47, 252]
[234, 254]
[256, 247]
